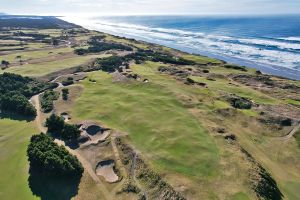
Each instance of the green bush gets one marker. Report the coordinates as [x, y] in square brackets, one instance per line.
[68, 81]
[55, 124]
[99, 46]
[65, 93]
[144, 55]
[70, 132]
[80, 51]
[46, 156]
[242, 104]
[47, 99]
[236, 67]
[109, 64]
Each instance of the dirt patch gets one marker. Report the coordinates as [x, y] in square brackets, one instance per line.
[106, 170]
[119, 77]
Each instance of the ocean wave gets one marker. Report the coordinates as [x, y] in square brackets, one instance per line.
[295, 39]
[251, 49]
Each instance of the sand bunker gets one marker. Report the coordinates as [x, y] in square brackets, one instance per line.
[95, 132]
[66, 117]
[106, 170]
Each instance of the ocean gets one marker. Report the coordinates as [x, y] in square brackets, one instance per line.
[268, 43]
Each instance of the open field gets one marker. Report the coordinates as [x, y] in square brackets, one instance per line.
[45, 68]
[14, 137]
[36, 54]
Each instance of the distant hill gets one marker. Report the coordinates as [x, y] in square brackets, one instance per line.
[2, 13]
[26, 21]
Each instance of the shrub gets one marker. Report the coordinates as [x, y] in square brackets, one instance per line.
[65, 93]
[55, 124]
[190, 81]
[144, 55]
[68, 81]
[242, 104]
[70, 132]
[80, 51]
[47, 100]
[99, 46]
[46, 156]
[236, 67]
[109, 64]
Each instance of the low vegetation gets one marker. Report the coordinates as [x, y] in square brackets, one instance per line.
[47, 99]
[109, 64]
[97, 46]
[150, 55]
[68, 81]
[65, 93]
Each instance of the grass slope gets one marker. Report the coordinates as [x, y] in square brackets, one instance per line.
[159, 125]
[14, 137]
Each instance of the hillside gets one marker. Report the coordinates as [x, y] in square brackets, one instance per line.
[154, 122]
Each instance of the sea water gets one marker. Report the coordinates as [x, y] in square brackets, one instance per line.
[268, 43]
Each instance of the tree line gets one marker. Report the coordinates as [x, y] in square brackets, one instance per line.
[16, 90]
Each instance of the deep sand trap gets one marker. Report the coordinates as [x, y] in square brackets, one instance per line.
[106, 170]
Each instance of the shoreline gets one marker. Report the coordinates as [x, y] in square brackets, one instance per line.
[264, 68]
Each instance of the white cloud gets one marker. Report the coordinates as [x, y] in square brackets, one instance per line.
[152, 6]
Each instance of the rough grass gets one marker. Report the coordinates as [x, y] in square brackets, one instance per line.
[240, 196]
[297, 137]
[35, 54]
[159, 125]
[292, 190]
[201, 59]
[45, 68]
[126, 42]
[222, 85]
[14, 137]
[293, 102]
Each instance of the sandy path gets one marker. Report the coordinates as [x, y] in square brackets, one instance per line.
[38, 120]
[291, 133]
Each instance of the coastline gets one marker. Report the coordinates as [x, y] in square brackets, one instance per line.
[264, 68]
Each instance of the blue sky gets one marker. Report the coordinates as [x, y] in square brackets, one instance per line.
[131, 7]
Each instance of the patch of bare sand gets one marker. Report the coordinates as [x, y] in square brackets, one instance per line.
[106, 170]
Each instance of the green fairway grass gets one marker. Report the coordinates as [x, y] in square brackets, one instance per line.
[14, 137]
[158, 124]
[35, 54]
[41, 69]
